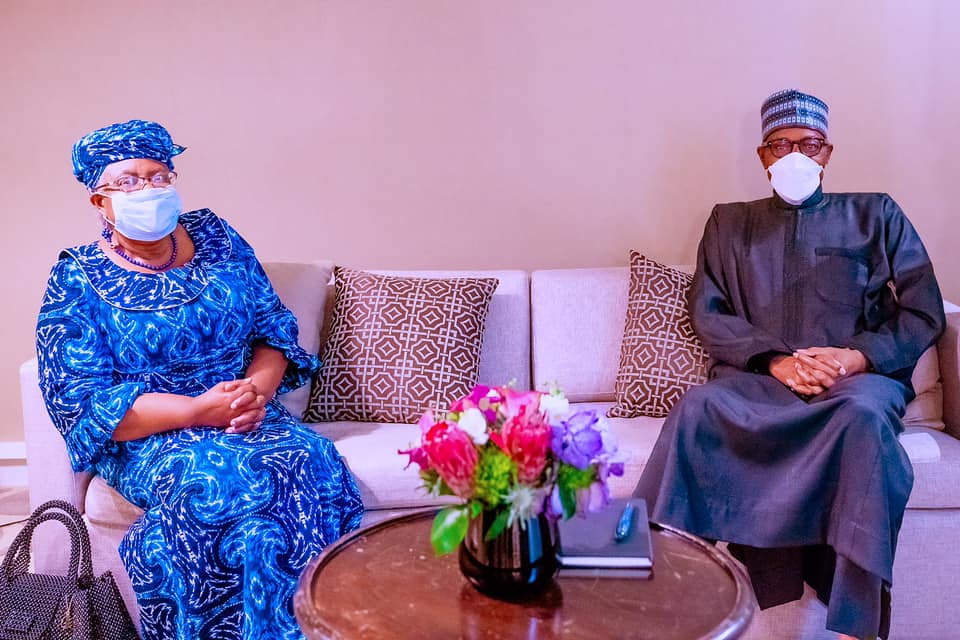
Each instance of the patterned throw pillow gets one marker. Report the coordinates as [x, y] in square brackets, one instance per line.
[399, 346]
[661, 356]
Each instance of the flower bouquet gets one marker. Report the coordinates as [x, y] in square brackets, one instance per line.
[513, 456]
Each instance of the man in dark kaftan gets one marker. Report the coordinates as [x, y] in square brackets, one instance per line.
[814, 308]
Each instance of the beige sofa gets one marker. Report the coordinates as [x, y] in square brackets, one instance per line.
[562, 326]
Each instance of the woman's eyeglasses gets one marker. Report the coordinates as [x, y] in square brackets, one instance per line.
[129, 182]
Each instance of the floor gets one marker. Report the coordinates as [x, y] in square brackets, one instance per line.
[14, 508]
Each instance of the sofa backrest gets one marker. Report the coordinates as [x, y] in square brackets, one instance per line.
[577, 318]
[303, 288]
[577, 322]
[506, 338]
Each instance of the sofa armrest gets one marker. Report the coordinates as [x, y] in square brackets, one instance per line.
[48, 467]
[948, 350]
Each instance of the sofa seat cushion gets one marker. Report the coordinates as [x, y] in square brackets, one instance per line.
[936, 468]
[370, 451]
[935, 456]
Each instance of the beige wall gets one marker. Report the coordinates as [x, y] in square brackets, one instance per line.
[480, 134]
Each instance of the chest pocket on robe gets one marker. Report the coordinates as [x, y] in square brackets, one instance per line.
[842, 274]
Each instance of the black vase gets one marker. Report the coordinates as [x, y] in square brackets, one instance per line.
[518, 563]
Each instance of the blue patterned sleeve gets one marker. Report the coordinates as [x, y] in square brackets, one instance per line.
[274, 324]
[76, 367]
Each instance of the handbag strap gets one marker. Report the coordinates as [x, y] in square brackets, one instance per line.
[17, 560]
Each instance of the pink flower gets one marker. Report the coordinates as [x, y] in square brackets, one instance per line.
[417, 455]
[451, 453]
[483, 398]
[526, 439]
[516, 401]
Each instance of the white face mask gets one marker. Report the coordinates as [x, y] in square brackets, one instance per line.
[148, 214]
[795, 177]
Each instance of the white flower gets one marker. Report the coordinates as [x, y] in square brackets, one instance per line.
[525, 503]
[475, 425]
[556, 406]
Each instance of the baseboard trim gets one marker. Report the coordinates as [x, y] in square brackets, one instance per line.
[13, 476]
[13, 450]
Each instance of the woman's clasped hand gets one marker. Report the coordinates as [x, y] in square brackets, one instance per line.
[236, 405]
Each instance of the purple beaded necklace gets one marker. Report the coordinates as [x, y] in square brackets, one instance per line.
[108, 235]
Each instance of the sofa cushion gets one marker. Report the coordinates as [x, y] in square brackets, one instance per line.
[506, 336]
[398, 346]
[660, 355]
[926, 410]
[576, 318]
[302, 287]
[935, 457]
[104, 507]
[371, 452]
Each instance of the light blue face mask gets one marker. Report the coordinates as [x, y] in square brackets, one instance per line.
[147, 215]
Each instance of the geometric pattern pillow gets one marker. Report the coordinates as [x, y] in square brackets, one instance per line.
[398, 346]
[660, 356]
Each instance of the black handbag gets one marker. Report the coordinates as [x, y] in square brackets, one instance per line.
[75, 606]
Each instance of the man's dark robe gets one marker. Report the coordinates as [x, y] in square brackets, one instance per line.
[807, 488]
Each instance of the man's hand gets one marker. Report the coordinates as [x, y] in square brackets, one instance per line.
[789, 371]
[846, 362]
[810, 371]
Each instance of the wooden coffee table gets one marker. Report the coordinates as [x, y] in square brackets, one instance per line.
[384, 581]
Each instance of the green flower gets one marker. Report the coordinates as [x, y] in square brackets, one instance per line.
[569, 481]
[494, 476]
[573, 478]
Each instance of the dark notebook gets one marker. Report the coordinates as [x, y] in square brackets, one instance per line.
[591, 542]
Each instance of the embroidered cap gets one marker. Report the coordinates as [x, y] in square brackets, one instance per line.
[121, 141]
[793, 108]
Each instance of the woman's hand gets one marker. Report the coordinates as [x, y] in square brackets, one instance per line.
[250, 406]
[263, 377]
[232, 404]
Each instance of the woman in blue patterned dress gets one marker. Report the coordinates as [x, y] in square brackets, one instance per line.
[161, 348]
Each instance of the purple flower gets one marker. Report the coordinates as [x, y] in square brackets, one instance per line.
[613, 468]
[579, 440]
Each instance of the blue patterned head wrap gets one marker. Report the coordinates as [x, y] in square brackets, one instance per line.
[793, 108]
[121, 141]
